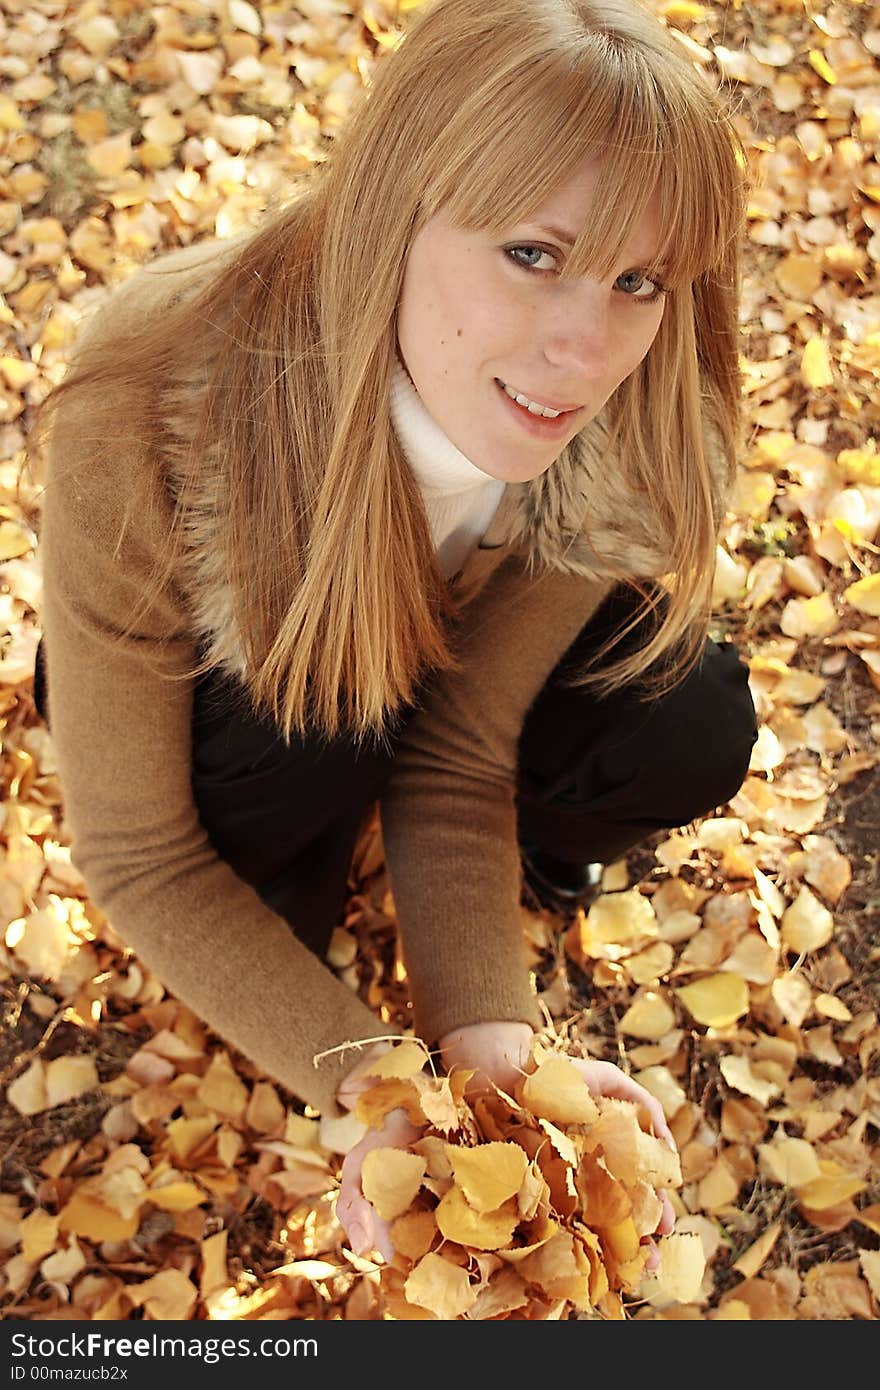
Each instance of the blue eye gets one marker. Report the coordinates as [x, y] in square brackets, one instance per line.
[632, 282]
[635, 284]
[512, 252]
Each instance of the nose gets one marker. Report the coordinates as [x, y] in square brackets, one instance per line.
[578, 338]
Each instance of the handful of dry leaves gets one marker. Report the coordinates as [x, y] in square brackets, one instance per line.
[530, 1205]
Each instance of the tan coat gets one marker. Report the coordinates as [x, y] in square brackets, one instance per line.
[122, 736]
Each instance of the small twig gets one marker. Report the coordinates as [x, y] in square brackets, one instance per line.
[361, 1043]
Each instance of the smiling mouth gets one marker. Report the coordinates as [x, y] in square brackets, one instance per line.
[526, 402]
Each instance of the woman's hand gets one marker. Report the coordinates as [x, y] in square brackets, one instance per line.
[361, 1222]
[499, 1053]
[364, 1226]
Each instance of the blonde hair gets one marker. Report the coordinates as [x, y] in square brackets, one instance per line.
[480, 110]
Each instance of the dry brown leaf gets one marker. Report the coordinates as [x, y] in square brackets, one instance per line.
[441, 1287]
[458, 1221]
[556, 1091]
[490, 1174]
[716, 1001]
[649, 1017]
[390, 1179]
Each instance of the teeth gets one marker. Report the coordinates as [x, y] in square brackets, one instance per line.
[533, 407]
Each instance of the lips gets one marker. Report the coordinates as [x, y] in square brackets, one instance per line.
[542, 427]
[562, 407]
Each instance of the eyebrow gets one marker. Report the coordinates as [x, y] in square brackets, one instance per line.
[561, 235]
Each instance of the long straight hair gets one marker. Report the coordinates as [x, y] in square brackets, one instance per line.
[481, 110]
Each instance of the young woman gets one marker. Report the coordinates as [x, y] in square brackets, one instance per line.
[410, 496]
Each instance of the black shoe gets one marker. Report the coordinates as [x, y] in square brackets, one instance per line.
[559, 884]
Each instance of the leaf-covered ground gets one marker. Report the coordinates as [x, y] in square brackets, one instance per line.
[732, 966]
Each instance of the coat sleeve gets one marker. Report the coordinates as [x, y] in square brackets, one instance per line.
[121, 733]
[449, 812]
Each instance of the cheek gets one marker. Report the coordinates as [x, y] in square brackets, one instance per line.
[638, 340]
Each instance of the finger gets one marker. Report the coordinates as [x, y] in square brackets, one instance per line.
[609, 1080]
[382, 1242]
[653, 1261]
[627, 1089]
[355, 1216]
[667, 1220]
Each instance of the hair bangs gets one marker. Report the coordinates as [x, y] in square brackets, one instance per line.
[531, 128]
[654, 133]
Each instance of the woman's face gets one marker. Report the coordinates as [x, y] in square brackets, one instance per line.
[476, 311]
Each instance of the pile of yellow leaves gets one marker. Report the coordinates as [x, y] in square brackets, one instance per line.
[533, 1205]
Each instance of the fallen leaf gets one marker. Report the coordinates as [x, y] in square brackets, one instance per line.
[649, 1017]
[557, 1091]
[443, 1288]
[806, 925]
[390, 1179]
[716, 1001]
[751, 1260]
[489, 1174]
[458, 1221]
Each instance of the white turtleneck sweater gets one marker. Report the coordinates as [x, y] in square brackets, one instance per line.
[460, 498]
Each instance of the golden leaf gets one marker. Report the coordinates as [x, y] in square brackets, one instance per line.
[14, 540]
[438, 1104]
[832, 1007]
[91, 1219]
[794, 997]
[69, 1077]
[648, 967]
[557, 1091]
[806, 925]
[751, 1260]
[820, 64]
[621, 918]
[403, 1060]
[222, 1089]
[533, 1193]
[27, 1093]
[483, 1230]
[441, 1287]
[110, 157]
[64, 1265]
[561, 1268]
[790, 1162]
[186, 1135]
[504, 1292]
[649, 1017]
[414, 1233]
[825, 867]
[835, 1184]
[605, 1201]
[865, 595]
[621, 1240]
[489, 1174]
[390, 1179]
[739, 1073]
[716, 1001]
[39, 1233]
[816, 364]
[870, 1262]
[682, 1267]
[809, 617]
[176, 1196]
[393, 1093]
[168, 1296]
